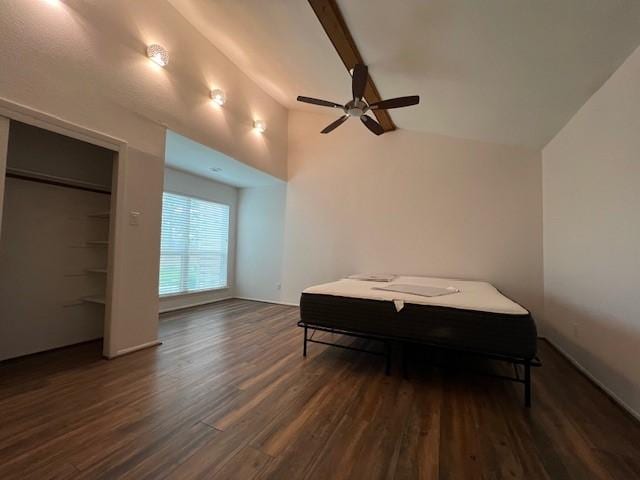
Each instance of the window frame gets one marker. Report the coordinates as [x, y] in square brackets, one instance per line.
[205, 290]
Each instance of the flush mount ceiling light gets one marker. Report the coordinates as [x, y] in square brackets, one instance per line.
[158, 54]
[259, 126]
[218, 96]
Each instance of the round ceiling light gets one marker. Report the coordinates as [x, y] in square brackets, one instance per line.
[259, 125]
[158, 55]
[218, 96]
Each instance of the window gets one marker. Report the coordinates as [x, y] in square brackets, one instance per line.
[194, 245]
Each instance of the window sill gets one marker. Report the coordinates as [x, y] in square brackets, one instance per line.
[186, 294]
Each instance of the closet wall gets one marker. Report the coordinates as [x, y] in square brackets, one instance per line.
[53, 249]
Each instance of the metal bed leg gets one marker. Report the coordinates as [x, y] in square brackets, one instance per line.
[304, 345]
[527, 384]
[387, 355]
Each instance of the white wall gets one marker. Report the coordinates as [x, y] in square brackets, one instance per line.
[592, 235]
[186, 184]
[84, 62]
[261, 213]
[405, 202]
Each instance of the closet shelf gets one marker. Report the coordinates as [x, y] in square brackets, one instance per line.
[100, 215]
[98, 242]
[97, 270]
[94, 299]
[26, 174]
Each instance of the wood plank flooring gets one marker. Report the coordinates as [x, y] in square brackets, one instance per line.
[229, 395]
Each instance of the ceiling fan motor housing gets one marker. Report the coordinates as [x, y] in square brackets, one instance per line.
[356, 108]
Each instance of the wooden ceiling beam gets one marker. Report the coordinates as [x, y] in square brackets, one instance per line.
[334, 25]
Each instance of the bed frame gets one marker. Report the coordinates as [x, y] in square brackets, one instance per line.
[525, 363]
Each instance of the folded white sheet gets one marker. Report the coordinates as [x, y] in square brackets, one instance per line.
[478, 296]
[422, 290]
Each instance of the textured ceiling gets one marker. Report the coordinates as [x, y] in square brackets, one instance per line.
[501, 71]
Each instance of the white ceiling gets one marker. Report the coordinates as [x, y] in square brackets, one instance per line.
[493, 70]
[192, 157]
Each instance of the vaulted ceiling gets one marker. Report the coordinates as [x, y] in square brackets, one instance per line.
[500, 71]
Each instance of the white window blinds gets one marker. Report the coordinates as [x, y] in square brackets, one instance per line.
[194, 245]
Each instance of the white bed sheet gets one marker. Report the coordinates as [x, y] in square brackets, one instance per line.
[477, 296]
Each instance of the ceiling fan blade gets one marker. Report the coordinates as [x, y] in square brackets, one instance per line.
[372, 125]
[334, 125]
[317, 101]
[359, 81]
[395, 103]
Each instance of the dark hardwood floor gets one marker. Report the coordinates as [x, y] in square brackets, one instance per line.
[229, 395]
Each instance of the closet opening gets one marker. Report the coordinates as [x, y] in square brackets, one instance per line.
[54, 241]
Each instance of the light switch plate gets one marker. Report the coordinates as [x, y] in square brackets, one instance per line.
[134, 218]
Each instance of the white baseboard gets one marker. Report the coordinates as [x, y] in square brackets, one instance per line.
[590, 376]
[142, 346]
[277, 302]
[196, 304]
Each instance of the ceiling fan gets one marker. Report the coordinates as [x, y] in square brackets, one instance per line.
[358, 107]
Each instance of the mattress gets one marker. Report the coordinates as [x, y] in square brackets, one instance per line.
[478, 318]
